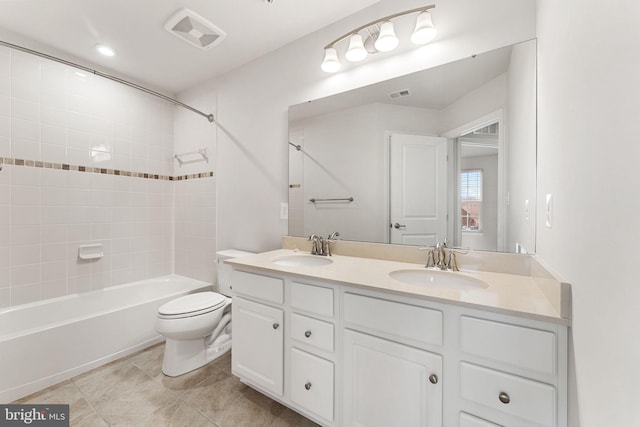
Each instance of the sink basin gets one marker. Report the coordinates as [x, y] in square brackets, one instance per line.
[437, 279]
[302, 261]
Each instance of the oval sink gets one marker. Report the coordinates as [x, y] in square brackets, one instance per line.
[302, 261]
[434, 278]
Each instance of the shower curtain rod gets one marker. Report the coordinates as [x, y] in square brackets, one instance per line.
[209, 117]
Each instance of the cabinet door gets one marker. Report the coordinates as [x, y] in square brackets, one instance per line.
[389, 384]
[258, 345]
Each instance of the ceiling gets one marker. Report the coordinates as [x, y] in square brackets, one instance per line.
[149, 54]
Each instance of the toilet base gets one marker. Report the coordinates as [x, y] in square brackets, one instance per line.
[182, 356]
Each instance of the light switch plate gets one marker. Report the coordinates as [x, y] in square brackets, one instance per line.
[526, 211]
[284, 210]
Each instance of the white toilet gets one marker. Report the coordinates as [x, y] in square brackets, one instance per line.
[198, 326]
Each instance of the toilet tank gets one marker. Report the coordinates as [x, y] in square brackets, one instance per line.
[224, 270]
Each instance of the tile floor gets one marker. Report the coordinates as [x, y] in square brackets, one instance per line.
[133, 392]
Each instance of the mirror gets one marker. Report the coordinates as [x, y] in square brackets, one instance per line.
[447, 152]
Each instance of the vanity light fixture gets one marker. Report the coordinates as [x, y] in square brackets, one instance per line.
[381, 38]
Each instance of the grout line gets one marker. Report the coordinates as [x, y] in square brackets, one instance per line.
[104, 171]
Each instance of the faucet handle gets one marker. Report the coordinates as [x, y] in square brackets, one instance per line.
[452, 264]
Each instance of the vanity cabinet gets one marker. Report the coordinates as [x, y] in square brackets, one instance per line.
[258, 350]
[390, 384]
[352, 356]
[512, 374]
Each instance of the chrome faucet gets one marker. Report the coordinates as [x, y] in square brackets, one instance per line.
[319, 246]
[442, 257]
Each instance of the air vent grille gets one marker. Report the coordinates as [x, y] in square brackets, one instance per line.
[194, 29]
[399, 94]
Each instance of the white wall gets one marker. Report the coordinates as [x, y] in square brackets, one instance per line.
[253, 101]
[588, 151]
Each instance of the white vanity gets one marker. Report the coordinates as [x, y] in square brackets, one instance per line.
[345, 344]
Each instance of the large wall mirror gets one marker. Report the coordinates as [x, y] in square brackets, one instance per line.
[448, 152]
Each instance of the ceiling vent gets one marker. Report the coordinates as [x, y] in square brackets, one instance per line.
[399, 94]
[194, 29]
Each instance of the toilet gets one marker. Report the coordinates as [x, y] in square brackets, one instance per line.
[197, 327]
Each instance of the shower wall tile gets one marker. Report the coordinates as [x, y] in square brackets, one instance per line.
[57, 124]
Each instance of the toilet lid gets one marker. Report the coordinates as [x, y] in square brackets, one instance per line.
[200, 301]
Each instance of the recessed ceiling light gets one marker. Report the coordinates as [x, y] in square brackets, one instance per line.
[105, 50]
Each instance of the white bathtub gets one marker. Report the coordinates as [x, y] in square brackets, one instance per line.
[46, 342]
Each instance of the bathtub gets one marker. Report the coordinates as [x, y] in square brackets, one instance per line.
[45, 342]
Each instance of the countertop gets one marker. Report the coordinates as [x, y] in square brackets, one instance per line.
[538, 298]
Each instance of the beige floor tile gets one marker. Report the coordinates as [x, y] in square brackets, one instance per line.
[64, 393]
[149, 360]
[242, 412]
[214, 395]
[290, 418]
[134, 392]
[178, 414]
[264, 402]
[88, 420]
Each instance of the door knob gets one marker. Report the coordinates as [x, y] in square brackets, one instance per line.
[504, 397]
[307, 386]
[433, 379]
[399, 226]
[276, 325]
[307, 334]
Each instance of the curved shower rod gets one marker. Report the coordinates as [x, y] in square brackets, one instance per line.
[209, 117]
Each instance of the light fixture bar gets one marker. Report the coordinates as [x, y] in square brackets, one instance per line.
[378, 21]
[209, 117]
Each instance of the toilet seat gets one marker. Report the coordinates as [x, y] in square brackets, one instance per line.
[192, 305]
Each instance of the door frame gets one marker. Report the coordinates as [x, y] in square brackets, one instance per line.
[497, 116]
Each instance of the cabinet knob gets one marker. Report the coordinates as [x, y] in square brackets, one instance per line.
[307, 386]
[433, 379]
[504, 397]
[307, 334]
[276, 325]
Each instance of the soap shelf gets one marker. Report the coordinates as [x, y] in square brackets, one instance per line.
[192, 157]
[89, 252]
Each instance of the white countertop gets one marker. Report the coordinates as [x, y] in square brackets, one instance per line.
[539, 298]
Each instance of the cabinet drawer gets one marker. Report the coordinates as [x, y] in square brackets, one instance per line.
[518, 346]
[258, 286]
[312, 383]
[418, 324]
[527, 399]
[311, 331]
[467, 420]
[314, 299]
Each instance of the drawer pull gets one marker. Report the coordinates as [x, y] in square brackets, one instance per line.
[504, 397]
[276, 325]
[307, 334]
[307, 386]
[433, 379]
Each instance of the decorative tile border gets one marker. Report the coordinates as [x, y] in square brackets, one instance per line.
[87, 169]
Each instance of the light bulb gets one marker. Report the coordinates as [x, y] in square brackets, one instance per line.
[424, 31]
[387, 39]
[356, 51]
[330, 63]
